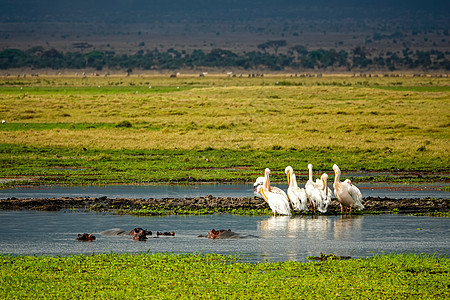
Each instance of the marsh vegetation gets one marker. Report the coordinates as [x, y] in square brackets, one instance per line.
[218, 276]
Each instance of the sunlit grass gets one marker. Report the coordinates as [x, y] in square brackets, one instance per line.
[376, 119]
[49, 165]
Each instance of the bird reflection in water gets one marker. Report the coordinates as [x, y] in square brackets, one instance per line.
[347, 226]
[312, 227]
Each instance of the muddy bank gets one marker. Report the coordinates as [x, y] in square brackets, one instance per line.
[103, 203]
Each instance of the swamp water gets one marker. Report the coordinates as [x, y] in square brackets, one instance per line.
[394, 191]
[269, 239]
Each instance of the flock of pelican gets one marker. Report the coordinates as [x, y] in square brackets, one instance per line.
[315, 193]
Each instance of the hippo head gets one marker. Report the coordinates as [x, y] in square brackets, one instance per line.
[86, 237]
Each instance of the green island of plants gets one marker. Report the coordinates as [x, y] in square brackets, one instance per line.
[169, 276]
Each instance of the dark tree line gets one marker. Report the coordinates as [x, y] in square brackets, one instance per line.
[297, 58]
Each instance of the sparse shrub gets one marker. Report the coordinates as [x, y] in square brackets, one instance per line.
[124, 124]
[421, 148]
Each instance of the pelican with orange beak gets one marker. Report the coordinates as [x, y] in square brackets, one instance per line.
[348, 195]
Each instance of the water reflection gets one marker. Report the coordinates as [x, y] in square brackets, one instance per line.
[346, 227]
[312, 227]
[269, 238]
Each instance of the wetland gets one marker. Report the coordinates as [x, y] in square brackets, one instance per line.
[69, 131]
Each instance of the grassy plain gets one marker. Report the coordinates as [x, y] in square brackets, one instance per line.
[217, 128]
[169, 276]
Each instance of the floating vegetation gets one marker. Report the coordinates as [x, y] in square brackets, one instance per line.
[165, 211]
[213, 276]
[324, 257]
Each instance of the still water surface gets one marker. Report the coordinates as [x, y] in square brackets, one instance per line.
[268, 238]
[394, 191]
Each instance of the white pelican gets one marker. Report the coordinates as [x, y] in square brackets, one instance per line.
[318, 192]
[296, 195]
[265, 180]
[325, 194]
[312, 188]
[277, 202]
[347, 194]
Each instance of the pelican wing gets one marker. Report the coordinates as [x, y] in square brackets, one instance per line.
[325, 200]
[298, 198]
[309, 188]
[279, 204]
[356, 195]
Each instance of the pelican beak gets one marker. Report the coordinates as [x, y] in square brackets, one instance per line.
[263, 194]
[324, 181]
[289, 177]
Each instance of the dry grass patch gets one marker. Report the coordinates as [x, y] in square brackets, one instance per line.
[227, 112]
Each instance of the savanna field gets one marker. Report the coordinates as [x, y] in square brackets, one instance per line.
[148, 129]
[216, 128]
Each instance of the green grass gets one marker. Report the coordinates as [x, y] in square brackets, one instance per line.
[429, 88]
[90, 90]
[169, 276]
[68, 130]
[74, 166]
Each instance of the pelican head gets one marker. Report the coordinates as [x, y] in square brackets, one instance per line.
[288, 172]
[335, 168]
[309, 166]
[260, 190]
[259, 181]
[267, 171]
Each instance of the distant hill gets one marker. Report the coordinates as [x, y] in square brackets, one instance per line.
[412, 14]
[381, 29]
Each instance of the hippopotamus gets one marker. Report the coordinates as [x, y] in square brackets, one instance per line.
[223, 234]
[139, 234]
[166, 233]
[120, 231]
[86, 237]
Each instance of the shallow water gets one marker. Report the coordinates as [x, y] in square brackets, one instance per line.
[270, 239]
[394, 191]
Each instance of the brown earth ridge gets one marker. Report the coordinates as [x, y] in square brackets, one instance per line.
[372, 204]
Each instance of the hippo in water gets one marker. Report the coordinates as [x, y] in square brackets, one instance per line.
[120, 231]
[86, 237]
[139, 234]
[223, 234]
[165, 233]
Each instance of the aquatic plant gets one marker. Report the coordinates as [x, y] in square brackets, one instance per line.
[165, 275]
